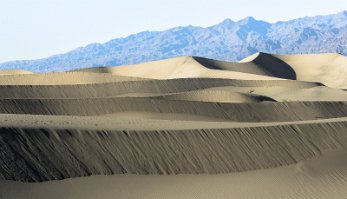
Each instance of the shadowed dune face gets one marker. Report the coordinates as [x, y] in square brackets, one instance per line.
[238, 112]
[275, 66]
[82, 153]
[262, 64]
[268, 117]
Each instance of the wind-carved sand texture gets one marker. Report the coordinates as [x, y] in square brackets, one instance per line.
[269, 126]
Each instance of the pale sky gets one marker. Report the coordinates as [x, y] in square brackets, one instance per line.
[31, 29]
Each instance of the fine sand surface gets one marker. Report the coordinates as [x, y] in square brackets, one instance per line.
[270, 126]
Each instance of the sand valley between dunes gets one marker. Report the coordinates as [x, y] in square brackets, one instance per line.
[269, 126]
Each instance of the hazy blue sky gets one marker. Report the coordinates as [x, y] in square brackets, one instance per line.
[39, 28]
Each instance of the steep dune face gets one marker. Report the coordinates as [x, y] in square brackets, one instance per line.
[269, 118]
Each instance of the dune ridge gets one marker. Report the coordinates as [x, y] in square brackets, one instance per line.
[327, 68]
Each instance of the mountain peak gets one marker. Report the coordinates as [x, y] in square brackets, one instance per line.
[224, 25]
[343, 13]
[227, 22]
[247, 20]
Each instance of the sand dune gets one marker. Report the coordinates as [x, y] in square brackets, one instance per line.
[269, 126]
[181, 67]
[144, 86]
[81, 153]
[329, 69]
[286, 111]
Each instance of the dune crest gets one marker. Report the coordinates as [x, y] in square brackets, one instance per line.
[326, 68]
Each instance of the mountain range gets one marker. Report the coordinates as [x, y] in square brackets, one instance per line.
[228, 40]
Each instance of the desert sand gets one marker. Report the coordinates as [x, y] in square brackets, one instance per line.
[269, 126]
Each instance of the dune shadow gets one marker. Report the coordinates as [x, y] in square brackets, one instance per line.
[275, 66]
[263, 62]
